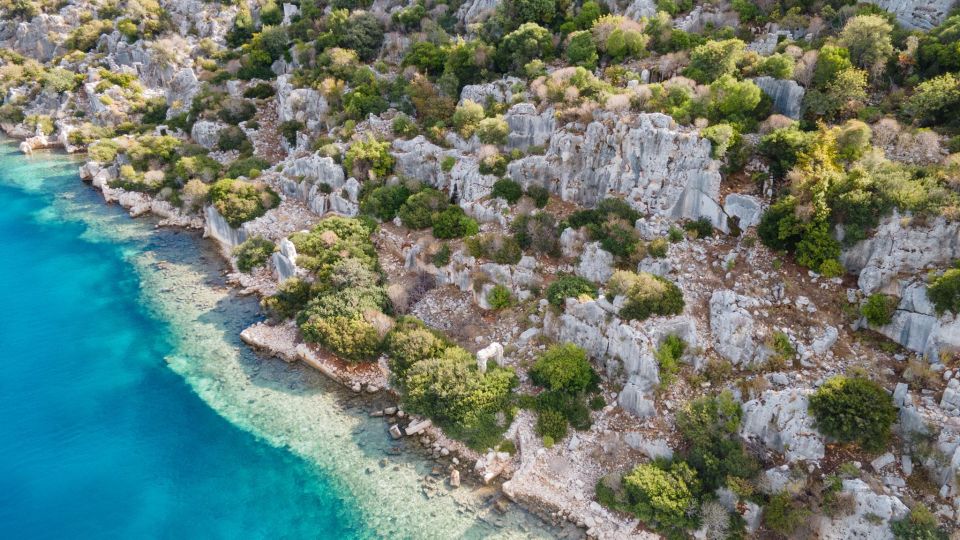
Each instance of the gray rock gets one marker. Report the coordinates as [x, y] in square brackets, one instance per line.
[780, 420]
[500, 91]
[644, 158]
[652, 448]
[825, 341]
[595, 263]
[882, 461]
[917, 14]
[787, 95]
[746, 208]
[733, 328]
[871, 518]
[528, 127]
[206, 133]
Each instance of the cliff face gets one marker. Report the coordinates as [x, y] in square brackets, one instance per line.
[917, 14]
[645, 159]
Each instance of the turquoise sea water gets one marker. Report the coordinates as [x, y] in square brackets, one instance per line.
[130, 409]
[98, 437]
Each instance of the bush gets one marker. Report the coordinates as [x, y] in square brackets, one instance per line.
[944, 291]
[289, 130]
[702, 227]
[442, 256]
[233, 138]
[570, 287]
[350, 338]
[259, 91]
[507, 190]
[658, 248]
[563, 368]
[496, 247]
[247, 166]
[409, 342]
[233, 110]
[493, 130]
[369, 158]
[384, 201]
[581, 50]
[721, 137]
[467, 117]
[404, 126]
[239, 201]
[663, 495]
[646, 294]
[552, 424]
[878, 309]
[921, 524]
[539, 194]
[854, 409]
[668, 357]
[253, 252]
[710, 425]
[783, 515]
[291, 297]
[713, 59]
[418, 211]
[538, 233]
[454, 223]
[499, 297]
[528, 42]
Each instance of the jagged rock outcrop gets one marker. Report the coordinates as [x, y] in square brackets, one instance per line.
[473, 11]
[285, 260]
[216, 227]
[917, 14]
[767, 44]
[781, 422]
[897, 247]
[746, 208]
[320, 184]
[595, 264]
[419, 158]
[916, 325]
[302, 104]
[40, 38]
[734, 330]
[623, 349]
[632, 9]
[645, 159]
[500, 91]
[528, 127]
[206, 133]
[182, 89]
[870, 519]
[787, 95]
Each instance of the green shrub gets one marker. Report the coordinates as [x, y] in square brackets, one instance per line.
[289, 130]
[384, 202]
[498, 248]
[493, 130]
[417, 212]
[783, 515]
[259, 91]
[657, 248]
[253, 252]
[467, 117]
[234, 110]
[570, 287]
[333, 239]
[702, 227]
[563, 368]
[454, 223]
[921, 524]
[233, 138]
[668, 357]
[239, 201]
[721, 137]
[499, 297]
[292, 296]
[552, 424]
[713, 59]
[709, 425]
[494, 164]
[353, 339]
[369, 158]
[447, 163]
[442, 256]
[581, 50]
[878, 309]
[538, 233]
[246, 166]
[409, 342]
[507, 190]
[662, 495]
[854, 409]
[404, 126]
[539, 194]
[944, 291]
[646, 294]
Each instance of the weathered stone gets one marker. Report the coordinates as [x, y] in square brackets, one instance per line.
[870, 519]
[787, 95]
[733, 328]
[595, 263]
[780, 420]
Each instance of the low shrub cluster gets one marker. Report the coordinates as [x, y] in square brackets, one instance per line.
[538, 233]
[612, 224]
[496, 247]
[570, 286]
[944, 291]
[239, 201]
[878, 309]
[253, 252]
[854, 409]
[646, 295]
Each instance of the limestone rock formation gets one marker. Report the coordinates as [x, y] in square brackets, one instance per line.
[302, 104]
[780, 421]
[528, 127]
[500, 91]
[206, 133]
[871, 517]
[655, 166]
[421, 159]
[734, 329]
[787, 95]
[898, 247]
[917, 14]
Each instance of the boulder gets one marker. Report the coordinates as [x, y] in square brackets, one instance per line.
[500, 91]
[595, 263]
[644, 158]
[787, 95]
[746, 208]
[781, 422]
[870, 519]
[917, 14]
[528, 127]
[494, 352]
[734, 330]
[206, 133]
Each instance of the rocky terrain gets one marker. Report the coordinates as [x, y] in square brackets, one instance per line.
[727, 225]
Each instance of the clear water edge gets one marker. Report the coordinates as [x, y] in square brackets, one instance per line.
[325, 458]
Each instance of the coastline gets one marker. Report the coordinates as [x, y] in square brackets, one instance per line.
[368, 386]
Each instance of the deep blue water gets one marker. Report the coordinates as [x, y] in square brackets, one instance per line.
[98, 437]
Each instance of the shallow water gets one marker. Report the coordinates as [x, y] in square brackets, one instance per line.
[129, 407]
